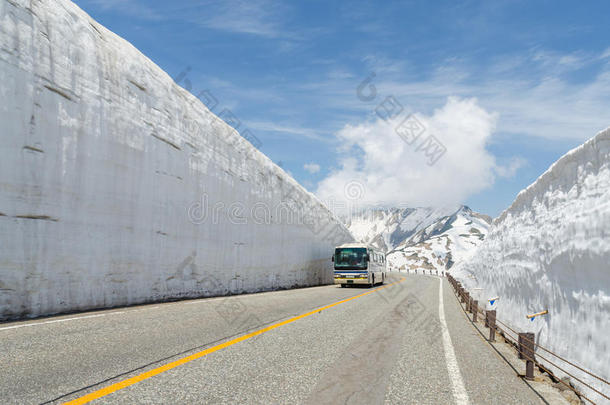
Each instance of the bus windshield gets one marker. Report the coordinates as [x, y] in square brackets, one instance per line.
[350, 258]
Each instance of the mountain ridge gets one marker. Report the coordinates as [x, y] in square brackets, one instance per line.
[421, 237]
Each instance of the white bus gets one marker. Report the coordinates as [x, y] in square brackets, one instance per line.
[358, 263]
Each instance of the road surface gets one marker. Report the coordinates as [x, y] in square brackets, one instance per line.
[321, 345]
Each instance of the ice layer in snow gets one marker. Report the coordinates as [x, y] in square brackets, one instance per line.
[550, 250]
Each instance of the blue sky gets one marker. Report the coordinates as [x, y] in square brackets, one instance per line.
[506, 87]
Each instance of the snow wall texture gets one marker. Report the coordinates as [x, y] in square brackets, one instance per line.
[119, 187]
[551, 250]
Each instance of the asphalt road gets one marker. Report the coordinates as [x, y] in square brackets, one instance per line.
[383, 345]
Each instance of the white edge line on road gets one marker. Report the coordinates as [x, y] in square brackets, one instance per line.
[76, 318]
[457, 383]
[203, 301]
[25, 325]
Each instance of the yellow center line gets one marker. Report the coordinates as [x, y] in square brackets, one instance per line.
[151, 373]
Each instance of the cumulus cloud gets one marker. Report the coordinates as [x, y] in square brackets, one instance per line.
[511, 169]
[377, 167]
[312, 167]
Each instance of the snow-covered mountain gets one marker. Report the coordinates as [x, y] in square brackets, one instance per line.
[550, 250]
[449, 240]
[430, 238]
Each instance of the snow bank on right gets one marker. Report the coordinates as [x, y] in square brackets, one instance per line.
[551, 250]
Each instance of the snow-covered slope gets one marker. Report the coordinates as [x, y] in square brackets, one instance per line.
[119, 187]
[423, 237]
[438, 246]
[551, 250]
[388, 228]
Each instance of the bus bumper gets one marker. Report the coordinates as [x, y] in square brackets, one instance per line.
[351, 280]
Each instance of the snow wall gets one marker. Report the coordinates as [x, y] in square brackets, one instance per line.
[119, 187]
[551, 250]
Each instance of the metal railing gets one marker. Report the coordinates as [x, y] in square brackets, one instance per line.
[525, 343]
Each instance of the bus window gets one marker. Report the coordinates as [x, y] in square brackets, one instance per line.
[350, 258]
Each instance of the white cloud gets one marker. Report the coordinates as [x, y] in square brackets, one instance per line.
[377, 167]
[256, 17]
[133, 8]
[535, 92]
[312, 167]
[287, 129]
[509, 171]
[532, 92]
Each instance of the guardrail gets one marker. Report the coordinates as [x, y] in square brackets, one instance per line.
[524, 342]
[423, 271]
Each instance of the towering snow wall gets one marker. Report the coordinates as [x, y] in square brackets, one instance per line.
[119, 187]
[551, 250]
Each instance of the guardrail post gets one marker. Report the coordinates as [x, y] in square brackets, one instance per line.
[467, 301]
[526, 350]
[475, 310]
[470, 304]
[491, 321]
[520, 342]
